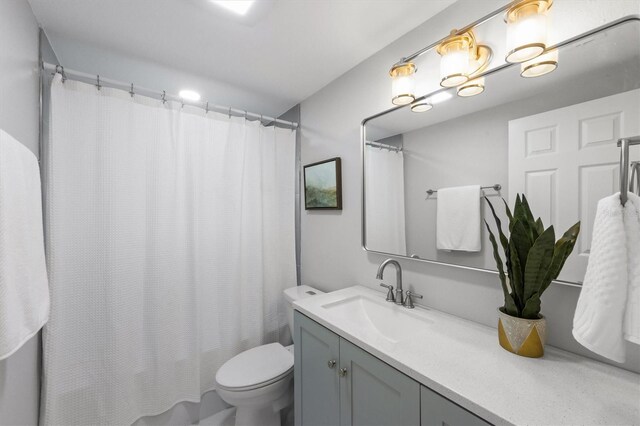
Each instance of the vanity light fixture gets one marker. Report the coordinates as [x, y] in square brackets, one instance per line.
[541, 65]
[421, 106]
[461, 57]
[527, 23]
[403, 83]
[471, 87]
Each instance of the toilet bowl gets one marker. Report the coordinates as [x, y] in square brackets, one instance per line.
[259, 381]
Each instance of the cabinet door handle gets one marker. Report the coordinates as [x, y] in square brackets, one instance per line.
[343, 372]
[331, 363]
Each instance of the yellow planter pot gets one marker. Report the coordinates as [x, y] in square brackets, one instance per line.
[524, 337]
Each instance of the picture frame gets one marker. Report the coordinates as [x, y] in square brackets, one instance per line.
[323, 185]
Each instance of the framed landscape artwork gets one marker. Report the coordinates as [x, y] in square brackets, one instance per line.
[323, 185]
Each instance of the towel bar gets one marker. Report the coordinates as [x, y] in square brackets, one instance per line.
[496, 187]
[624, 145]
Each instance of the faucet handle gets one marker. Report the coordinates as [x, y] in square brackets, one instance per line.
[390, 296]
[408, 303]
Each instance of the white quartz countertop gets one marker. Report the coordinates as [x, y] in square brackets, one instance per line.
[463, 361]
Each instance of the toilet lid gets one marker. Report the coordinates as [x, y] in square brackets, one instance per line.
[256, 366]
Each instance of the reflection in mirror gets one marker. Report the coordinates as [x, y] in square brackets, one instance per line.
[552, 138]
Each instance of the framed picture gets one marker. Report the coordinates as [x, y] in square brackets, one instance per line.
[323, 185]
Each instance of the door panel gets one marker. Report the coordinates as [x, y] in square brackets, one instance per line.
[374, 393]
[567, 159]
[316, 382]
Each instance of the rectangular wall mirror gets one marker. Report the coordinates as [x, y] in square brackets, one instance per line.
[553, 138]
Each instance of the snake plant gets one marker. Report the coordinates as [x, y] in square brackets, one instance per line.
[533, 258]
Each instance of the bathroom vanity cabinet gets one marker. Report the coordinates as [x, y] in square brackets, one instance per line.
[338, 383]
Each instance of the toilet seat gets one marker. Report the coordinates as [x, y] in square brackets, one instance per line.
[255, 368]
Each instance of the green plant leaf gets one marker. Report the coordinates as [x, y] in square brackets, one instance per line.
[509, 304]
[516, 275]
[504, 241]
[531, 309]
[521, 213]
[563, 248]
[538, 262]
[517, 212]
[527, 210]
[507, 209]
[521, 239]
[539, 226]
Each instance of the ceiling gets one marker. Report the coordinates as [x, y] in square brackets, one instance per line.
[286, 49]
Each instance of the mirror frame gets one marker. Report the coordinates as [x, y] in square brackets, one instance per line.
[363, 138]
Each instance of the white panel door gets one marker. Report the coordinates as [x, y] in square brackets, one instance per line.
[567, 159]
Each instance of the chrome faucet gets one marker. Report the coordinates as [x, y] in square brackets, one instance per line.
[398, 299]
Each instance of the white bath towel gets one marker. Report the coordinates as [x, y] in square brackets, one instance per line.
[24, 290]
[605, 306]
[631, 328]
[458, 222]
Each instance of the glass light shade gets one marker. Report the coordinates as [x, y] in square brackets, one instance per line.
[526, 33]
[421, 106]
[541, 65]
[402, 89]
[403, 84]
[454, 63]
[471, 87]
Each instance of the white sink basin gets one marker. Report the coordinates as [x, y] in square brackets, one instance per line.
[392, 322]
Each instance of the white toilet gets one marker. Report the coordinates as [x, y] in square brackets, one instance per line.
[259, 381]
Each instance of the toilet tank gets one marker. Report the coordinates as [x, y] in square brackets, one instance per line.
[296, 293]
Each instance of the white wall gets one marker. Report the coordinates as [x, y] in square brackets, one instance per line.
[80, 56]
[331, 254]
[19, 101]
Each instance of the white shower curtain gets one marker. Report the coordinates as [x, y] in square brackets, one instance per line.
[170, 237]
[384, 200]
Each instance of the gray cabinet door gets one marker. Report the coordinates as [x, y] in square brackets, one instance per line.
[316, 381]
[439, 411]
[374, 393]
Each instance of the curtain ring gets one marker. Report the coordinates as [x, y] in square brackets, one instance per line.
[98, 86]
[131, 92]
[260, 118]
[245, 115]
[60, 70]
[164, 97]
[206, 108]
[229, 112]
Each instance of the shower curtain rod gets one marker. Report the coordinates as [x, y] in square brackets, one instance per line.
[385, 146]
[162, 95]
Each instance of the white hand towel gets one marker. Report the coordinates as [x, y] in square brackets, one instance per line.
[458, 222]
[631, 330]
[599, 321]
[24, 290]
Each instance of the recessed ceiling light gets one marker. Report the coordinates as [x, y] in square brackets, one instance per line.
[236, 6]
[189, 95]
[440, 97]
